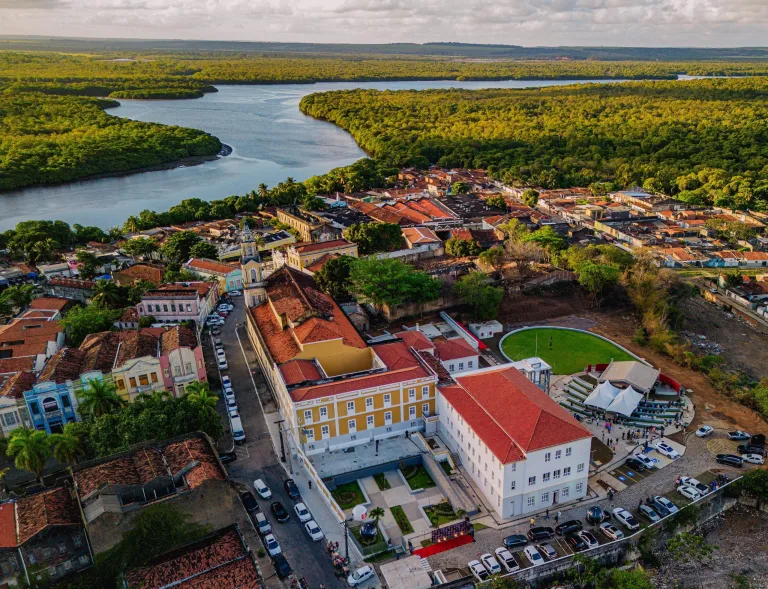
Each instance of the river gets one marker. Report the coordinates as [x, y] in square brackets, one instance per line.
[271, 140]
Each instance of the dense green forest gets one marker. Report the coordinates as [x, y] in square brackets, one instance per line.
[705, 141]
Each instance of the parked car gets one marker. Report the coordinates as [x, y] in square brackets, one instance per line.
[237, 293]
[589, 538]
[361, 575]
[227, 457]
[302, 512]
[753, 458]
[233, 412]
[226, 381]
[573, 525]
[576, 542]
[490, 563]
[610, 531]
[739, 435]
[218, 344]
[262, 524]
[689, 492]
[540, 533]
[222, 362]
[730, 460]
[313, 530]
[478, 570]
[515, 540]
[648, 513]
[291, 489]
[626, 518]
[215, 330]
[696, 484]
[272, 545]
[704, 431]
[262, 489]
[646, 460]
[229, 394]
[666, 450]
[635, 464]
[220, 353]
[547, 551]
[750, 449]
[597, 515]
[249, 501]
[279, 512]
[506, 559]
[533, 555]
[658, 500]
[281, 565]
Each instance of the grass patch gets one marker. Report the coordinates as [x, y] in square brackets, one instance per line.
[382, 481]
[417, 477]
[348, 495]
[402, 520]
[440, 514]
[370, 545]
[425, 543]
[479, 527]
[381, 557]
[571, 351]
[446, 466]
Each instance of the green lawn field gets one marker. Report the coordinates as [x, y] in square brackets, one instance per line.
[570, 351]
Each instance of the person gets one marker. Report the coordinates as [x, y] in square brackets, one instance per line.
[557, 518]
[639, 505]
[310, 485]
[547, 516]
[533, 522]
[559, 515]
[550, 342]
[410, 547]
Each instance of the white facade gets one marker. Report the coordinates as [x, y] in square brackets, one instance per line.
[460, 365]
[485, 330]
[543, 479]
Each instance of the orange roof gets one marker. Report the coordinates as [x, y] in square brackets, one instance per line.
[315, 266]
[8, 525]
[16, 364]
[755, 256]
[296, 371]
[17, 385]
[305, 247]
[484, 399]
[370, 381]
[212, 266]
[396, 355]
[454, 348]
[414, 338]
[418, 235]
[49, 303]
[461, 233]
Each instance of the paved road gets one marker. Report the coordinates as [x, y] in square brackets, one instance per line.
[257, 457]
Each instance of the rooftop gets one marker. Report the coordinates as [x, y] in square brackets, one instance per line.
[298, 371]
[201, 289]
[17, 385]
[48, 303]
[453, 349]
[24, 519]
[305, 247]
[150, 273]
[210, 266]
[420, 235]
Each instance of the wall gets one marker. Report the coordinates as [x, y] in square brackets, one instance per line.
[410, 309]
[337, 358]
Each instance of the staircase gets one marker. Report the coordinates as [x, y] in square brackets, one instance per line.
[455, 458]
[425, 565]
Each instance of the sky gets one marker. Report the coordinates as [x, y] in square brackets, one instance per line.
[638, 23]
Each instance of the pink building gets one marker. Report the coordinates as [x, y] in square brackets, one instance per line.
[174, 303]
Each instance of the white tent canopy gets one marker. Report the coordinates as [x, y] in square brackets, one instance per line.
[602, 396]
[625, 402]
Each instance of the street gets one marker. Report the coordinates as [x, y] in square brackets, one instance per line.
[257, 457]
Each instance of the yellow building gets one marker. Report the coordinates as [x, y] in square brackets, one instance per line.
[311, 227]
[333, 389]
[304, 256]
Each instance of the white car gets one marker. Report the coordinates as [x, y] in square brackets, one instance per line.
[666, 450]
[361, 575]
[696, 484]
[235, 293]
[229, 394]
[689, 492]
[589, 538]
[753, 458]
[226, 382]
[490, 563]
[666, 503]
[533, 555]
[626, 518]
[610, 531]
[704, 431]
[313, 530]
[220, 353]
[233, 412]
[273, 547]
[507, 560]
[302, 512]
[647, 461]
[262, 489]
[223, 364]
[478, 570]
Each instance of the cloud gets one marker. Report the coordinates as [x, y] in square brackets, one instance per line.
[30, 4]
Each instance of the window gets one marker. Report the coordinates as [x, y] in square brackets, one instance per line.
[425, 410]
[556, 474]
[132, 380]
[143, 380]
[425, 392]
[411, 394]
[512, 485]
[153, 377]
[173, 308]
[471, 364]
[9, 419]
[165, 308]
[369, 421]
[387, 400]
[177, 371]
[189, 308]
[307, 416]
[310, 433]
[387, 418]
[350, 406]
[323, 412]
[188, 368]
[411, 411]
[567, 471]
[352, 425]
[531, 481]
[451, 368]
[564, 492]
[568, 451]
[65, 401]
[557, 454]
[514, 467]
[120, 385]
[547, 456]
[325, 431]
[166, 373]
[545, 477]
[544, 498]
[531, 501]
[369, 403]
[580, 467]
[579, 488]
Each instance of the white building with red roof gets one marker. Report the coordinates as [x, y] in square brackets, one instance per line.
[524, 452]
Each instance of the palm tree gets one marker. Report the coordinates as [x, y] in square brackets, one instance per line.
[66, 447]
[106, 294]
[30, 448]
[99, 398]
[132, 224]
[21, 295]
[200, 392]
[376, 514]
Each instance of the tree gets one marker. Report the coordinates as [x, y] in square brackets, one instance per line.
[584, 573]
[498, 201]
[178, 247]
[376, 514]
[530, 197]
[200, 392]
[30, 449]
[88, 263]
[391, 282]
[623, 579]
[333, 277]
[494, 257]
[66, 447]
[142, 247]
[597, 279]
[82, 321]
[690, 549]
[514, 230]
[204, 249]
[84, 234]
[375, 237]
[461, 248]
[524, 255]
[733, 278]
[755, 482]
[147, 320]
[548, 239]
[99, 398]
[459, 188]
[106, 294]
[20, 296]
[476, 291]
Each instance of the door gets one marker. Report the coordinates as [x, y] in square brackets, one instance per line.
[554, 497]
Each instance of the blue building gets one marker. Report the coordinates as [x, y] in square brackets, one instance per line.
[51, 405]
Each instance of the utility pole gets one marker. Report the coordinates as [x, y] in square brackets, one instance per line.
[346, 539]
[282, 445]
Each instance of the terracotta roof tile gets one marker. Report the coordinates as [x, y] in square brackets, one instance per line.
[17, 385]
[306, 247]
[453, 349]
[71, 282]
[210, 266]
[64, 365]
[130, 315]
[7, 525]
[11, 365]
[391, 377]
[56, 507]
[414, 338]
[180, 291]
[296, 371]
[396, 355]
[178, 337]
[49, 303]
[196, 458]
[120, 471]
[153, 274]
[315, 266]
[420, 235]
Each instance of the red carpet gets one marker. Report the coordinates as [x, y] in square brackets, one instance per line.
[443, 546]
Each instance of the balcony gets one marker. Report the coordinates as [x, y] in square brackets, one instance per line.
[184, 378]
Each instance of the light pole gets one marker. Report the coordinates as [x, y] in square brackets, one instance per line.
[282, 445]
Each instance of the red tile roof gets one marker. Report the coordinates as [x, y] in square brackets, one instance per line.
[484, 400]
[453, 349]
[420, 235]
[49, 303]
[194, 458]
[17, 385]
[71, 282]
[396, 355]
[414, 338]
[462, 233]
[381, 379]
[64, 365]
[177, 337]
[8, 525]
[56, 507]
[211, 266]
[307, 247]
[11, 365]
[296, 371]
[153, 274]
[315, 266]
[180, 291]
